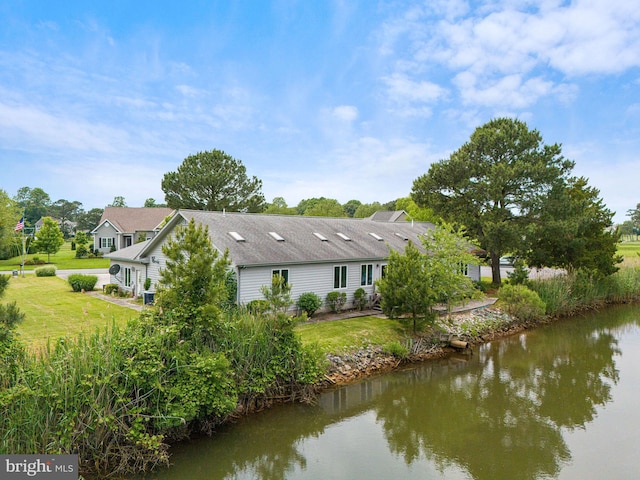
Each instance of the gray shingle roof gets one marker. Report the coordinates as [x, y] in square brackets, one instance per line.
[299, 244]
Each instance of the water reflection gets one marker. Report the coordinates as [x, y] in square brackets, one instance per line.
[500, 413]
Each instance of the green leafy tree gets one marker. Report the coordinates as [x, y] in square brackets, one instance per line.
[191, 288]
[634, 215]
[351, 206]
[213, 181]
[9, 216]
[34, 202]
[572, 229]
[491, 184]
[81, 239]
[66, 212]
[118, 201]
[367, 209]
[49, 238]
[415, 212]
[87, 221]
[415, 282]
[325, 207]
[279, 206]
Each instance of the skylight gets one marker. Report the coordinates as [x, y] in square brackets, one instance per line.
[343, 236]
[376, 236]
[276, 236]
[321, 237]
[237, 237]
[402, 236]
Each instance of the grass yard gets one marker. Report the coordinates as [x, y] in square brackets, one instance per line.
[53, 310]
[65, 259]
[631, 253]
[343, 336]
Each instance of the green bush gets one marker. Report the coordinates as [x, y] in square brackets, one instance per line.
[111, 288]
[360, 298]
[48, 271]
[34, 261]
[82, 251]
[309, 302]
[81, 282]
[521, 303]
[396, 349]
[258, 307]
[147, 283]
[336, 301]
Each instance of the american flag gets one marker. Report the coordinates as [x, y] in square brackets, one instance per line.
[19, 225]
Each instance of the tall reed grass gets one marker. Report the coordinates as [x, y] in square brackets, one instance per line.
[569, 294]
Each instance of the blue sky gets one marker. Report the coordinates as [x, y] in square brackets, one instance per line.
[344, 99]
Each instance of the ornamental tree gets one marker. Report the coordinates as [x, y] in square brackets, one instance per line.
[49, 238]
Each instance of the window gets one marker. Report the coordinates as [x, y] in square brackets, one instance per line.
[463, 269]
[127, 277]
[284, 273]
[340, 276]
[106, 242]
[383, 273]
[366, 274]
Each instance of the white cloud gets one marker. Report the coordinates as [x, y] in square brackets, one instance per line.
[346, 113]
[403, 89]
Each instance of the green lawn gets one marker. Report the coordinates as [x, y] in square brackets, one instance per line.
[53, 310]
[631, 253]
[63, 260]
[342, 336]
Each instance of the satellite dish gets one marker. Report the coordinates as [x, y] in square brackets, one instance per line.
[113, 269]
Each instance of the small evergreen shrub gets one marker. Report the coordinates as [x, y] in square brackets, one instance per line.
[336, 301]
[80, 282]
[147, 283]
[522, 303]
[47, 271]
[360, 298]
[34, 261]
[111, 289]
[309, 302]
[82, 251]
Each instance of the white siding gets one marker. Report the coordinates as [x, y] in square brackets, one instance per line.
[316, 278]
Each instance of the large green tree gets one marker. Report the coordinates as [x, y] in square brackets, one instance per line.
[492, 183]
[572, 229]
[9, 216]
[213, 181]
[49, 238]
[34, 202]
[87, 221]
[65, 211]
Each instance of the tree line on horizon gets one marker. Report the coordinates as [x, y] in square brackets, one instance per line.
[508, 190]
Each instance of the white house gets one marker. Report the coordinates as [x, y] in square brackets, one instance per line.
[314, 254]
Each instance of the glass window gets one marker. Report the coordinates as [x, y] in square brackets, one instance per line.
[284, 273]
[384, 271]
[366, 274]
[340, 276]
[127, 277]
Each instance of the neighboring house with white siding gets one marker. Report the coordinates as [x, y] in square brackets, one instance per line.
[314, 254]
[121, 227]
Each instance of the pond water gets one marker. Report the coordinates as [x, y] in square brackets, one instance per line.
[558, 402]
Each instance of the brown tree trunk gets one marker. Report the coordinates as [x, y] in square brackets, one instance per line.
[495, 269]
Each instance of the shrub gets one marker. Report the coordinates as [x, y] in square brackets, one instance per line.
[336, 301]
[147, 283]
[522, 303]
[34, 261]
[82, 251]
[309, 303]
[360, 298]
[111, 288]
[396, 349]
[48, 271]
[81, 282]
[258, 307]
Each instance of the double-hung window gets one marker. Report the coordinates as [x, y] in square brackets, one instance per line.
[284, 273]
[340, 276]
[366, 274]
[127, 277]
